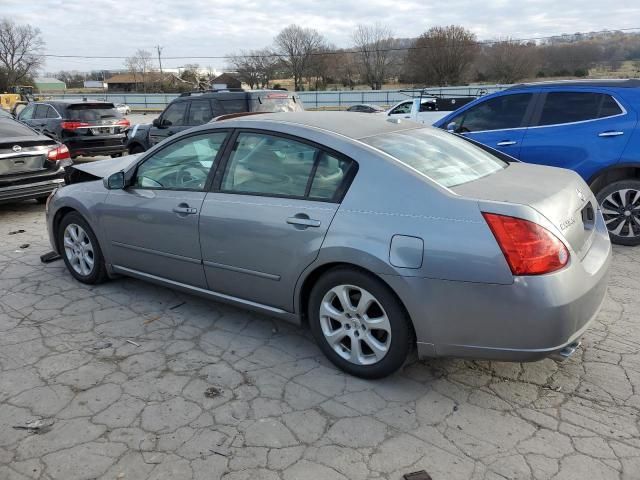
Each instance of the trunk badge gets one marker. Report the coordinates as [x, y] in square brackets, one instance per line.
[17, 148]
[581, 195]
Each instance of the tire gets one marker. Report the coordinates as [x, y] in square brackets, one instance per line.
[136, 149]
[620, 205]
[83, 271]
[383, 344]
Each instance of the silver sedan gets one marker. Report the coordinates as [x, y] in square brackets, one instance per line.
[381, 235]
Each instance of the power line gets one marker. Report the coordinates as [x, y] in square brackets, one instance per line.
[338, 52]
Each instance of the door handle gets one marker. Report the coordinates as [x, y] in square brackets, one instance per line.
[184, 209]
[506, 143]
[303, 220]
[610, 133]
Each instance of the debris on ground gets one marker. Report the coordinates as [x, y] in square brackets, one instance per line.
[39, 426]
[17, 231]
[421, 475]
[133, 343]
[50, 257]
[177, 306]
[151, 319]
[220, 452]
[24, 245]
[102, 344]
[212, 392]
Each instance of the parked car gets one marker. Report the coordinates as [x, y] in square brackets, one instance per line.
[365, 108]
[427, 109]
[589, 126]
[123, 108]
[5, 114]
[359, 227]
[87, 128]
[31, 164]
[196, 108]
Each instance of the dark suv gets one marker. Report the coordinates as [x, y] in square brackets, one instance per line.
[196, 108]
[87, 128]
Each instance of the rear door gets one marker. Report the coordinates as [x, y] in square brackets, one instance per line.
[580, 130]
[172, 121]
[267, 218]
[499, 122]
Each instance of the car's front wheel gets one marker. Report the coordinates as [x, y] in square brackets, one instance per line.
[80, 250]
[620, 205]
[359, 323]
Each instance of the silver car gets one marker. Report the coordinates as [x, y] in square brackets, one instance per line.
[380, 234]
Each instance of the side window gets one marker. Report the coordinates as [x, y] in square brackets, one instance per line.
[329, 177]
[569, 107]
[199, 112]
[269, 165]
[174, 114]
[216, 108]
[427, 106]
[27, 112]
[403, 108]
[235, 106]
[183, 165]
[52, 113]
[505, 111]
[41, 111]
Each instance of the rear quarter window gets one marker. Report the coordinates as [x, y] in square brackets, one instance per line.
[444, 158]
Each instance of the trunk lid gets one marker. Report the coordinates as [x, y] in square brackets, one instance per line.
[96, 119]
[558, 194]
[24, 154]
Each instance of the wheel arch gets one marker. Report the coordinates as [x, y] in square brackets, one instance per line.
[612, 174]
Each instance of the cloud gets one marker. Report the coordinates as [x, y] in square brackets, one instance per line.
[214, 28]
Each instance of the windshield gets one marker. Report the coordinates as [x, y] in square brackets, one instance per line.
[439, 155]
[88, 112]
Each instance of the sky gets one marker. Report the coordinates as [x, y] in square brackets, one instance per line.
[221, 27]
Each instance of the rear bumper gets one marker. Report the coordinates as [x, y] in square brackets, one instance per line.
[27, 189]
[96, 146]
[532, 318]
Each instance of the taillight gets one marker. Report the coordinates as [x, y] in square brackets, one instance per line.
[70, 125]
[61, 152]
[529, 248]
[123, 122]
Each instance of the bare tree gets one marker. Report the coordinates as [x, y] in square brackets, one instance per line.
[507, 61]
[374, 43]
[246, 65]
[296, 47]
[443, 55]
[140, 63]
[19, 51]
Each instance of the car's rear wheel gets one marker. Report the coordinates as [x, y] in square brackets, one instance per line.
[620, 205]
[359, 323]
[80, 250]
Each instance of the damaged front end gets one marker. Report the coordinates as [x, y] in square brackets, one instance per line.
[89, 172]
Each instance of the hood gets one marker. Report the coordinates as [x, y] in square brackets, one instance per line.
[558, 194]
[104, 168]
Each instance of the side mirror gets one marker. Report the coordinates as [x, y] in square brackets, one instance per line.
[157, 123]
[115, 181]
[451, 127]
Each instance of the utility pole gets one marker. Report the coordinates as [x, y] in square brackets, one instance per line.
[159, 49]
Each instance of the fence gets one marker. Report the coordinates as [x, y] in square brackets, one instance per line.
[312, 100]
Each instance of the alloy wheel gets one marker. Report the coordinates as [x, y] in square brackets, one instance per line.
[355, 325]
[621, 211]
[78, 249]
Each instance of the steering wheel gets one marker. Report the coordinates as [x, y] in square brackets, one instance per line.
[191, 173]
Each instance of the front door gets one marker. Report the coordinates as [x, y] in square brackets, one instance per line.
[172, 121]
[266, 220]
[152, 226]
[499, 122]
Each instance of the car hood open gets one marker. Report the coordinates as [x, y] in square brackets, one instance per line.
[104, 168]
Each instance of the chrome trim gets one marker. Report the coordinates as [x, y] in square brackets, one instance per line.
[610, 134]
[506, 143]
[157, 252]
[54, 181]
[202, 291]
[231, 268]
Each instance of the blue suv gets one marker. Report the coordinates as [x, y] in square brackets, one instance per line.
[588, 126]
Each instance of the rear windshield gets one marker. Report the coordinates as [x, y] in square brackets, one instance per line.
[88, 112]
[11, 128]
[276, 102]
[439, 155]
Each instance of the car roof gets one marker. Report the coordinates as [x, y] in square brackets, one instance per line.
[341, 123]
[612, 82]
[66, 103]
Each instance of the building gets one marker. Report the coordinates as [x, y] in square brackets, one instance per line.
[49, 85]
[226, 81]
[128, 82]
[95, 84]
